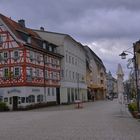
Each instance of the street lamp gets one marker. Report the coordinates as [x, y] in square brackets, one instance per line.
[123, 56]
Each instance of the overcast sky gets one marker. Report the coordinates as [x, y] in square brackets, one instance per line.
[107, 26]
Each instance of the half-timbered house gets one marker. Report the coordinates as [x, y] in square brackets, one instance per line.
[29, 66]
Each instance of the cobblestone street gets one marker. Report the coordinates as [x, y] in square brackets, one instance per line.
[101, 120]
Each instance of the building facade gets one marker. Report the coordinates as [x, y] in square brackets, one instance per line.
[111, 85]
[96, 76]
[29, 66]
[73, 74]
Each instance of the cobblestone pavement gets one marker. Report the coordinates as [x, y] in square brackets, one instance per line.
[102, 120]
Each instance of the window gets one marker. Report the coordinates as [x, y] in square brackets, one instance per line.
[22, 99]
[101, 74]
[53, 91]
[37, 72]
[54, 50]
[73, 75]
[31, 55]
[31, 72]
[48, 91]
[10, 102]
[66, 58]
[16, 54]
[1, 98]
[1, 39]
[46, 74]
[40, 98]
[31, 99]
[69, 74]
[50, 48]
[27, 100]
[66, 72]
[1, 58]
[6, 72]
[72, 60]
[57, 62]
[5, 55]
[6, 99]
[38, 58]
[69, 59]
[16, 71]
[29, 39]
[102, 81]
[44, 45]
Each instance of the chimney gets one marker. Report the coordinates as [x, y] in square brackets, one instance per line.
[22, 22]
[42, 28]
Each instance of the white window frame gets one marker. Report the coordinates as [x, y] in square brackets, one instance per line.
[1, 39]
[5, 58]
[19, 71]
[4, 72]
[37, 71]
[16, 57]
[31, 55]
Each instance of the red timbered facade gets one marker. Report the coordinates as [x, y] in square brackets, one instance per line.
[29, 66]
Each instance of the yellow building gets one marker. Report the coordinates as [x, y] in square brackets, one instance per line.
[96, 76]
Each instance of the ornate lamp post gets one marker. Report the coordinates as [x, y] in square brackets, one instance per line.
[123, 56]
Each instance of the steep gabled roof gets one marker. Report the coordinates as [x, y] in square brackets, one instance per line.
[19, 31]
[56, 38]
[97, 59]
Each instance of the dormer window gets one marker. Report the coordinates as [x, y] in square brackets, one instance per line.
[29, 39]
[55, 50]
[44, 45]
[50, 48]
[16, 54]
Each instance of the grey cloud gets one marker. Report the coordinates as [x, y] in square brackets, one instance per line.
[112, 24]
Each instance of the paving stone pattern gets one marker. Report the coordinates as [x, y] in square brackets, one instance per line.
[100, 120]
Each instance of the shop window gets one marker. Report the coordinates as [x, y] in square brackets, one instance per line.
[40, 98]
[22, 99]
[48, 91]
[6, 99]
[53, 91]
[31, 99]
[10, 101]
[27, 100]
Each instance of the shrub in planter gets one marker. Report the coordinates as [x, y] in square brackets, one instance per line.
[133, 107]
[3, 107]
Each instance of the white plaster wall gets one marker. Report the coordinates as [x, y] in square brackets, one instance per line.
[25, 92]
[63, 95]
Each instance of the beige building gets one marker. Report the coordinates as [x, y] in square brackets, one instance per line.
[96, 76]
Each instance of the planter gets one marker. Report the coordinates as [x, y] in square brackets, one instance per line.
[134, 114]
